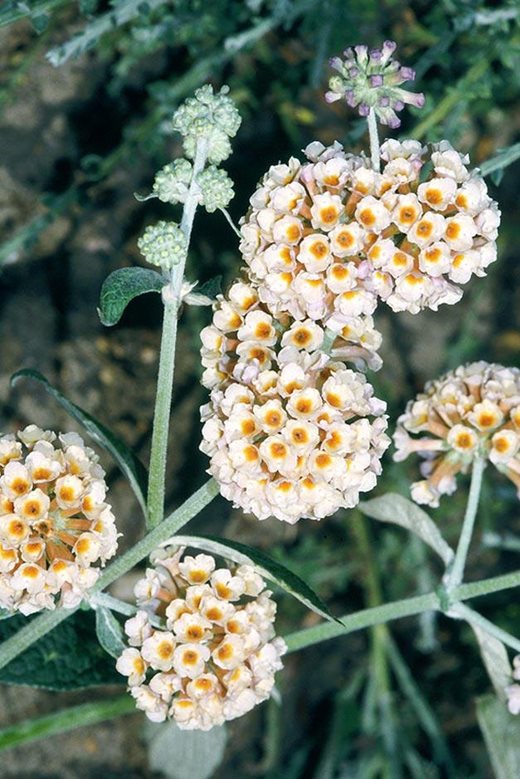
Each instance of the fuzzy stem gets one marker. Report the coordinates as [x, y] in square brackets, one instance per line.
[65, 720]
[374, 140]
[456, 572]
[163, 401]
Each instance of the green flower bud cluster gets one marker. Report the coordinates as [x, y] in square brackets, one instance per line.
[209, 116]
[172, 183]
[216, 188]
[163, 244]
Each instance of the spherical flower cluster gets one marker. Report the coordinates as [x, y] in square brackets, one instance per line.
[370, 79]
[216, 188]
[291, 432]
[214, 656]
[172, 182]
[54, 522]
[325, 239]
[209, 116]
[163, 244]
[513, 690]
[471, 412]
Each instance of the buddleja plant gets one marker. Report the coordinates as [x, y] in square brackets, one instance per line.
[292, 427]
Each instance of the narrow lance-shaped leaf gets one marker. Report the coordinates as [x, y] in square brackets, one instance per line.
[266, 567]
[132, 468]
[121, 287]
[185, 754]
[502, 736]
[109, 632]
[495, 658]
[400, 511]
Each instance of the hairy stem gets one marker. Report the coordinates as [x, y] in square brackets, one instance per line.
[163, 401]
[374, 140]
[65, 720]
[456, 571]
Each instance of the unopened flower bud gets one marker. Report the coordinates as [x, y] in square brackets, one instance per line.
[163, 244]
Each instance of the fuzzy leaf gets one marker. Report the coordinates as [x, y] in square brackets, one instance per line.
[185, 754]
[109, 632]
[132, 468]
[495, 658]
[67, 658]
[501, 160]
[211, 288]
[121, 287]
[502, 736]
[266, 567]
[400, 511]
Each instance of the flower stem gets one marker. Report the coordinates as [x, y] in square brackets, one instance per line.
[473, 617]
[65, 720]
[456, 571]
[374, 140]
[163, 400]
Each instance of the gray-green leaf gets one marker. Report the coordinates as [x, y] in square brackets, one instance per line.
[400, 511]
[502, 736]
[185, 754]
[495, 658]
[109, 632]
[266, 567]
[130, 465]
[121, 287]
[501, 160]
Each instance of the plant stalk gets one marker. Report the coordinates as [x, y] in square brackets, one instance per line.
[172, 295]
[456, 572]
[374, 140]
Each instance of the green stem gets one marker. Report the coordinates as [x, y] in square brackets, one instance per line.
[456, 571]
[172, 295]
[374, 140]
[407, 607]
[65, 720]
[44, 623]
[161, 419]
[473, 617]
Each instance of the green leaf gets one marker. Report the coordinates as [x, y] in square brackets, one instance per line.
[266, 567]
[504, 158]
[211, 288]
[67, 658]
[400, 511]
[495, 658]
[109, 632]
[501, 732]
[185, 754]
[121, 287]
[132, 468]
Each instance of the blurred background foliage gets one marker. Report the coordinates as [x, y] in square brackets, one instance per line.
[87, 90]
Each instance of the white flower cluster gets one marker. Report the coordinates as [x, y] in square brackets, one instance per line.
[513, 690]
[54, 521]
[471, 412]
[209, 116]
[215, 656]
[163, 244]
[325, 239]
[291, 432]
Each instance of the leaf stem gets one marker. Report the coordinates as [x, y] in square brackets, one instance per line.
[163, 401]
[456, 571]
[473, 617]
[65, 720]
[374, 140]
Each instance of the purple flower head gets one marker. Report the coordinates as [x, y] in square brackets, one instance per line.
[384, 101]
[353, 72]
[364, 109]
[407, 74]
[398, 105]
[376, 81]
[376, 55]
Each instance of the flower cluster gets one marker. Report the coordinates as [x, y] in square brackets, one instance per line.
[325, 239]
[513, 690]
[54, 522]
[211, 117]
[214, 656]
[471, 412]
[291, 432]
[163, 244]
[369, 79]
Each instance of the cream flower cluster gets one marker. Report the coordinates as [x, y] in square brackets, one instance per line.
[513, 690]
[54, 521]
[291, 432]
[326, 238]
[214, 656]
[471, 412]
